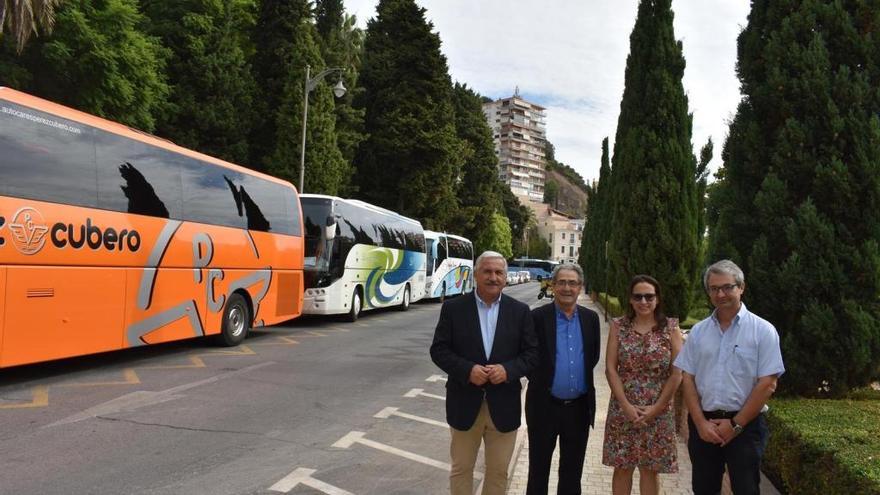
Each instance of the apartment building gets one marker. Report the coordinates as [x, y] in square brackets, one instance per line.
[519, 131]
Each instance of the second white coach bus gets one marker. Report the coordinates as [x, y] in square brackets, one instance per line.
[450, 265]
[359, 256]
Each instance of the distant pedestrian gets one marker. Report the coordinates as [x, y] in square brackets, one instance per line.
[731, 362]
[561, 399]
[485, 342]
[640, 426]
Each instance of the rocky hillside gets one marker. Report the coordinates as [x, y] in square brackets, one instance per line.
[571, 199]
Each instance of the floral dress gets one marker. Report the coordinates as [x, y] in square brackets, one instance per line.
[643, 365]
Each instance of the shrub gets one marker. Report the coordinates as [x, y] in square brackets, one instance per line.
[824, 446]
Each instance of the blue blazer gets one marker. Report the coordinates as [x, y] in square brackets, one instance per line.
[458, 346]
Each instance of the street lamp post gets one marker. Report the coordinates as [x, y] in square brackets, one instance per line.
[338, 91]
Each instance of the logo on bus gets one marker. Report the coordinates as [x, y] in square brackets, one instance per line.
[28, 231]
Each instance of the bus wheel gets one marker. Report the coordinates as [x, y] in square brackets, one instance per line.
[406, 299]
[355, 310]
[236, 321]
[443, 292]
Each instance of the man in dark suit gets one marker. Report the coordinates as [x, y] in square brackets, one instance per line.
[485, 342]
[561, 398]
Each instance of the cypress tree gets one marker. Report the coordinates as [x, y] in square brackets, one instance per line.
[798, 203]
[212, 86]
[325, 170]
[411, 159]
[475, 188]
[341, 43]
[653, 197]
[273, 63]
[597, 228]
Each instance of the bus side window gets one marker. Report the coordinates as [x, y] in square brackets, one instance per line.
[441, 250]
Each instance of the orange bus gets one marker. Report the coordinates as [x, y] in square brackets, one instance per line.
[111, 238]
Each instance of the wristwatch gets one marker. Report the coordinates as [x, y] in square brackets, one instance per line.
[737, 429]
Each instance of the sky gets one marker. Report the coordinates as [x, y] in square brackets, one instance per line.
[570, 56]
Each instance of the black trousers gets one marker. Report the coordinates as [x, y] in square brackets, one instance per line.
[742, 457]
[570, 423]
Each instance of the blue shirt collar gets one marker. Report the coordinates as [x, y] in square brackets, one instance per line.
[739, 315]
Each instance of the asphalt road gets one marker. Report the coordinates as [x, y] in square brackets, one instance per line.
[315, 406]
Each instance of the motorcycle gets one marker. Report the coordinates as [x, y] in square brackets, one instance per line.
[545, 291]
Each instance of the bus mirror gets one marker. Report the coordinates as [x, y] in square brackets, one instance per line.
[330, 228]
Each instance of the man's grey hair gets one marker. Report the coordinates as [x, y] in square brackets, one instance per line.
[487, 255]
[569, 266]
[724, 267]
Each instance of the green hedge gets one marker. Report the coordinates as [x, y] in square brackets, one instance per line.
[614, 309]
[820, 446]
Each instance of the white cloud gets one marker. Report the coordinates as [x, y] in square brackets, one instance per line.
[570, 56]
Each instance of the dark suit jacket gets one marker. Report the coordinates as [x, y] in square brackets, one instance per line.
[458, 346]
[541, 378]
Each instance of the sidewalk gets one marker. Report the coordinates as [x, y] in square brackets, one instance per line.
[597, 477]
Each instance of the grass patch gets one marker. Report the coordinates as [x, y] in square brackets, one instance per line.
[822, 446]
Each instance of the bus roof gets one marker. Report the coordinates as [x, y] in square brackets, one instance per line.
[363, 204]
[62, 111]
[433, 235]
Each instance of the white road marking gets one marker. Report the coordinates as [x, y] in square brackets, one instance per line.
[393, 411]
[354, 437]
[304, 476]
[421, 392]
[436, 378]
[143, 398]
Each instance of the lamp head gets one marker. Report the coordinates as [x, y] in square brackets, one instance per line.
[339, 89]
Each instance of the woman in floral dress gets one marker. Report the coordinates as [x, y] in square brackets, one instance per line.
[640, 427]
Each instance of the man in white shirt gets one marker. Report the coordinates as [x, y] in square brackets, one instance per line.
[730, 364]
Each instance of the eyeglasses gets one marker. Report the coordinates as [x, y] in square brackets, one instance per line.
[567, 283]
[726, 289]
[644, 297]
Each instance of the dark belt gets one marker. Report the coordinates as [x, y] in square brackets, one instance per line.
[720, 414]
[566, 402]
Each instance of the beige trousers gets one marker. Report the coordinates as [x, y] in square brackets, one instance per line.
[463, 450]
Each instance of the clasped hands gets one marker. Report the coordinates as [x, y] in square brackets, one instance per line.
[718, 431]
[492, 373]
[640, 415]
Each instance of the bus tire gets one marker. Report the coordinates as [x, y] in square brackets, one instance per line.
[404, 305]
[356, 305]
[236, 321]
[443, 292]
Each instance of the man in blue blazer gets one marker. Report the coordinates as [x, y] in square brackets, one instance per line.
[485, 342]
[561, 399]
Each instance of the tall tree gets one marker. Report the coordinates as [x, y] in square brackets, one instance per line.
[654, 193]
[476, 187]
[22, 18]
[328, 17]
[274, 62]
[520, 216]
[551, 193]
[411, 159]
[212, 86]
[597, 228]
[797, 203]
[325, 170]
[341, 43]
[286, 41]
[96, 60]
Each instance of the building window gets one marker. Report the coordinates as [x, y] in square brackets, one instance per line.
[563, 236]
[563, 250]
[570, 250]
